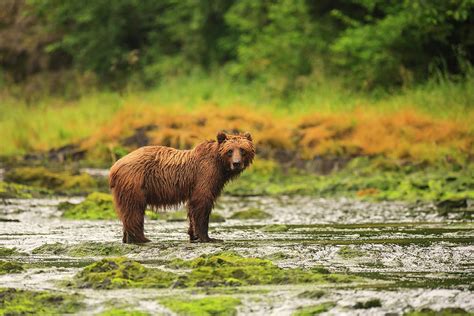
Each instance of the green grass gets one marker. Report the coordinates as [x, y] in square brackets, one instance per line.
[53, 121]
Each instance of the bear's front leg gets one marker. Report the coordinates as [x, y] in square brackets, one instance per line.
[199, 211]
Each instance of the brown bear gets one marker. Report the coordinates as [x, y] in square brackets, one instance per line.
[161, 177]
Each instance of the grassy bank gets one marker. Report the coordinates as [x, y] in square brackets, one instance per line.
[431, 120]
[415, 144]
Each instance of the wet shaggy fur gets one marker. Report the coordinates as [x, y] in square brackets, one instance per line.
[162, 177]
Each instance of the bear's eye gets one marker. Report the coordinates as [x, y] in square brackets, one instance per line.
[242, 152]
[229, 153]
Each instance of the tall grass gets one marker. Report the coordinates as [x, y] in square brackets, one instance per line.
[53, 121]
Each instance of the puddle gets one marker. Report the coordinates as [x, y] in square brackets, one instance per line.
[413, 257]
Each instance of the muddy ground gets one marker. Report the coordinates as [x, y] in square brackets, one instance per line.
[409, 256]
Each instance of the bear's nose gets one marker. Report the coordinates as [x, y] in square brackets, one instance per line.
[236, 164]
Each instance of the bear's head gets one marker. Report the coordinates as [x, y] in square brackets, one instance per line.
[236, 151]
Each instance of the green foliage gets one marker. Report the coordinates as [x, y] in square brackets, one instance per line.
[216, 305]
[23, 302]
[397, 41]
[96, 206]
[280, 43]
[275, 40]
[156, 37]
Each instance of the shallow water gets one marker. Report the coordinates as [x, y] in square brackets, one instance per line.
[413, 256]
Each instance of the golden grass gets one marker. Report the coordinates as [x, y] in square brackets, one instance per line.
[405, 134]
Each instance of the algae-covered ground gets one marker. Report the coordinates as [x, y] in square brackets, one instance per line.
[376, 179]
[283, 254]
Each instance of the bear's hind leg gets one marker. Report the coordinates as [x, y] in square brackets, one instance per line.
[133, 226]
[134, 236]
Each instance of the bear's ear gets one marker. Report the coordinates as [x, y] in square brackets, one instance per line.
[221, 137]
[248, 136]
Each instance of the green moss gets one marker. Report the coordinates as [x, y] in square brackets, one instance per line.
[176, 216]
[7, 267]
[180, 216]
[314, 309]
[7, 252]
[230, 269]
[312, 294]
[375, 302]
[53, 249]
[20, 191]
[365, 179]
[217, 305]
[450, 311]
[252, 213]
[216, 218]
[57, 181]
[23, 302]
[222, 269]
[347, 252]
[85, 249]
[275, 228]
[100, 249]
[280, 255]
[117, 273]
[96, 206]
[122, 312]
